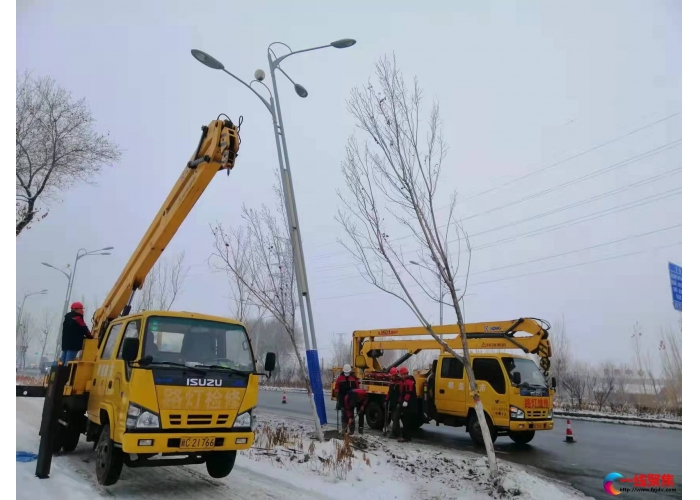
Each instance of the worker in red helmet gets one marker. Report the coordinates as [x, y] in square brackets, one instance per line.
[391, 406]
[409, 403]
[74, 332]
[355, 400]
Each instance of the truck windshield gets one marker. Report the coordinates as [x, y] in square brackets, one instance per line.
[197, 342]
[530, 373]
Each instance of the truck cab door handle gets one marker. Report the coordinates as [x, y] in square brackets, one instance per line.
[109, 386]
[442, 391]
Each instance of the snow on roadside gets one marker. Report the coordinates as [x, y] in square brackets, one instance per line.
[638, 423]
[327, 392]
[383, 468]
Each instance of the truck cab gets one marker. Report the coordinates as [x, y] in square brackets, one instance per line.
[516, 397]
[160, 385]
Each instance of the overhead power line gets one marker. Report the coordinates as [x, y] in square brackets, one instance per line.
[625, 255]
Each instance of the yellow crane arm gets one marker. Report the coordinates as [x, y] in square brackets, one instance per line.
[500, 335]
[217, 150]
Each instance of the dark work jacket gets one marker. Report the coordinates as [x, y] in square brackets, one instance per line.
[345, 384]
[394, 393]
[74, 332]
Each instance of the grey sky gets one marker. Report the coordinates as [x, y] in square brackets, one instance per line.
[521, 85]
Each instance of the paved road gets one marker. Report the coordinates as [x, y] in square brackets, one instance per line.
[600, 448]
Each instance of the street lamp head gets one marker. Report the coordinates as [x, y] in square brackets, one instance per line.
[414, 262]
[43, 292]
[108, 248]
[343, 43]
[105, 253]
[301, 91]
[259, 75]
[206, 59]
[45, 264]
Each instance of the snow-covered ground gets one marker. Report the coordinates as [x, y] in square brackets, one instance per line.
[285, 463]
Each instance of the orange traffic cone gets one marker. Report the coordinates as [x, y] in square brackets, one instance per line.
[569, 433]
[284, 397]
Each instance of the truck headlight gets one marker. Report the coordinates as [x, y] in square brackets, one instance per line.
[550, 415]
[516, 413]
[141, 418]
[245, 420]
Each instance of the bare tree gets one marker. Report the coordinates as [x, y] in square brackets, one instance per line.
[264, 265]
[603, 384]
[341, 350]
[25, 335]
[576, 382]
[670, 349]
[56, 146]
[48, 327]
[395, 175]
[163, 284]
[641, 374]
[241, 302]
[561, 349]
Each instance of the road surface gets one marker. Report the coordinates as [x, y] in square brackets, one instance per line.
[601, 448]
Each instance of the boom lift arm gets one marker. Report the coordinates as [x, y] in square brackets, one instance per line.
[491, 335]
[217, 150]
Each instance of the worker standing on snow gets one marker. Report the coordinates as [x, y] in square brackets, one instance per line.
[74, 332]
[356, 399]
[409, 403]
[393, 397]
[345, 382]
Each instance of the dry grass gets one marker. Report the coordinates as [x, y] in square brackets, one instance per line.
[284, 446]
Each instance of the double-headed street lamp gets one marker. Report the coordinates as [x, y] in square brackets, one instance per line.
[21, 309]
[71, 279]
[273, 107]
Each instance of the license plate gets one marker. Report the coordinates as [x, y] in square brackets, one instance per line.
[539, 426]
[198, 443]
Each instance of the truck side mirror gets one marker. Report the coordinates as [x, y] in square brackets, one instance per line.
[516, 378]
[554, 382]
[130, 349]
[270, 362]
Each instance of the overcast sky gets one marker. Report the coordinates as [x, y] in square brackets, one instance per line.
[522, 85]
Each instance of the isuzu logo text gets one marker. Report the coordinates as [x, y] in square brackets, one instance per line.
[204, 382]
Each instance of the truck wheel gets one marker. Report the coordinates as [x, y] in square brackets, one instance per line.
[475, 430]
[220, 463]
[71, 438]
[375, 416]
[110, 459]
[521, 437]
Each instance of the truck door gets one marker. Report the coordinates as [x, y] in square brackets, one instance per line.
[103, 370]
[491, 384]
[451, 387]
[121, 375]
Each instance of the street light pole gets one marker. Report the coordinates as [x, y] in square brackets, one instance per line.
[290, 203]
[21, 309]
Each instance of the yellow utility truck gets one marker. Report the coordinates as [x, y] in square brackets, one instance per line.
[515, 393]
[160, 388]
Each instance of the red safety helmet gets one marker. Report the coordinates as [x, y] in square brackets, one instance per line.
[392, 371]
[403, 370]
[77, 305]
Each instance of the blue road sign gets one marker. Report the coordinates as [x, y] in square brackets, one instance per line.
[676, 274]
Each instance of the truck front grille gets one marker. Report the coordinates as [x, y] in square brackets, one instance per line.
[176, 420]
[530, 414]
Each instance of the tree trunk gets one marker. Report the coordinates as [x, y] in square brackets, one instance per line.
[28, 217]
[480, 415]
